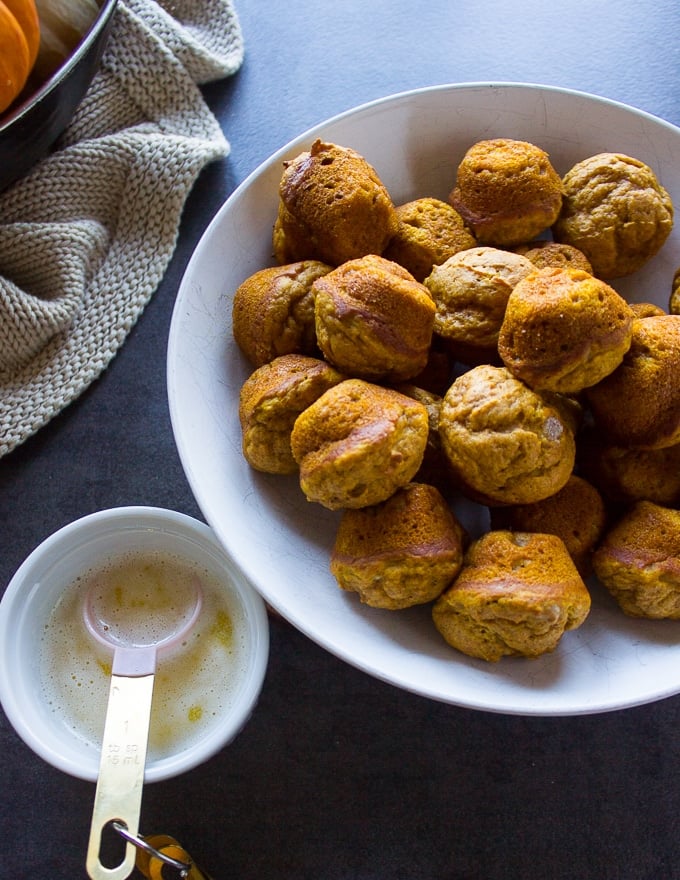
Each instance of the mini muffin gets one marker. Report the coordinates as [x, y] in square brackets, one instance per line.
[639, 403]
[506, 191]
[429, 232]
[402, 552]
[564, 330]
[333, 207]
[516, 595]
[674, 301]
[615, 211]
[546, 254]
[506, 444]
[373, 319]
[639, 561]
[270, 401]
[576, 514]
[273, 311]
[646, 310]
[358, 443]
[471, 291]
[625, 474]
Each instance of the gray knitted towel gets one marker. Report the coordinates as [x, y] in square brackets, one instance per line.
[86, 236]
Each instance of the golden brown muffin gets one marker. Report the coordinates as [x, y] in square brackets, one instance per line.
[615, 211]
[646, 310]
[639, 561]
[639, 403]
[674, 301]
[271, 399]
[506, 443]
[471, 291]
[625, 474]
[333, 207]
[516, 595]
[576, 514]
[429, 232]
[402, 552]
[273, 311]
[506, 191]
[358, 443]
[373, 319]
[546, 254]
[564, 330]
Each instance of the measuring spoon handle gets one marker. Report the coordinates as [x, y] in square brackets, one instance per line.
[121, 770]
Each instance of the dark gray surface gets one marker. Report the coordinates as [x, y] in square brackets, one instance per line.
[337, 775]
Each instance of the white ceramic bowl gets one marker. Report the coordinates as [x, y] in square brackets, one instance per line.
[35, 589]
[282, 542]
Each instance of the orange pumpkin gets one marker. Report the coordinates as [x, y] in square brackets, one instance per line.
[19, 41]
[26, 13]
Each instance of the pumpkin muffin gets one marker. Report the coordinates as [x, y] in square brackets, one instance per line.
[625, 474]
[333, 207]
[373, 319]
[358, 443]
[516, 595]
[646, 310]
[402, 552]
[546, 254]
[506, 191]
[576, 514]
[273, 311]
[471, 291]
[429, 232]
[639, 561]
[271, 399]
[615, 211]
[639, 403]
[564, 330]
[506, 444]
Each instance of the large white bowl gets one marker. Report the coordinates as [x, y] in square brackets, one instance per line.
[281, 541]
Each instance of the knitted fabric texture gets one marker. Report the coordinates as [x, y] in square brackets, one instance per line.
[86, 236]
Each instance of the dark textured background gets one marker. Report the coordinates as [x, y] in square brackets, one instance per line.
[337, 775]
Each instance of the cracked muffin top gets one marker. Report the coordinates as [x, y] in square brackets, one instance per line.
[615, 211]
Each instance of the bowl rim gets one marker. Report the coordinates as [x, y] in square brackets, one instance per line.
[316, 128]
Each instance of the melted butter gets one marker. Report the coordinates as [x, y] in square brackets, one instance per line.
[193, 686]
[195, 713]
[223, 628]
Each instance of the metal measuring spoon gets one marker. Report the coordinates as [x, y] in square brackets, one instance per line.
[136, 646]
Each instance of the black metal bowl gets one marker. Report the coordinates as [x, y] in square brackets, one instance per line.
[30, 127]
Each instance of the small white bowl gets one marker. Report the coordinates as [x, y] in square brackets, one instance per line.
[67, 555]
